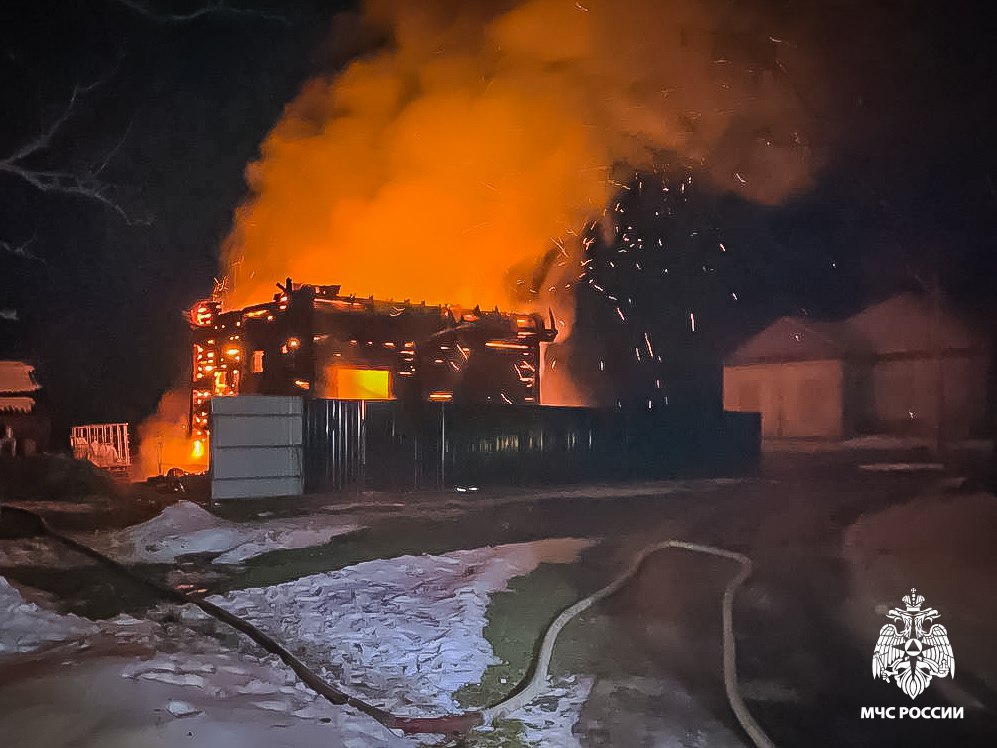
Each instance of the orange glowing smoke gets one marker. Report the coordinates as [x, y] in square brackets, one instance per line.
[457, 162]
[447, 164]
[164, 442]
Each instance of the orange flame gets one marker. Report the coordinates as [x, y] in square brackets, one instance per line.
[456, 164]
[164, 440]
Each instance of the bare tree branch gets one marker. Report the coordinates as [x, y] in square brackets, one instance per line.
[98, 169]
[67, 183]
[215, 7]
[21, 250]
[44, 139]
[23, 162]
[18, 164]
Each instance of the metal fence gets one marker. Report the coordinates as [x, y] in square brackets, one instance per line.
[391, 445]
[106, 445]
[334, 444]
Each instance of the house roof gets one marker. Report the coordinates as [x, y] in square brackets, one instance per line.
[795, 339]
[16, 404]
[907, 324]
[17, 377]
[902, 324]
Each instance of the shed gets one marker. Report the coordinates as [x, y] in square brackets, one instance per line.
[891, 368]
[925, 361]
[24, 422]
[793, 373]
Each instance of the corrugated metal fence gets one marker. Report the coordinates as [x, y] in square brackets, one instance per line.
[267, 446]
[334, 444]
[390, 445]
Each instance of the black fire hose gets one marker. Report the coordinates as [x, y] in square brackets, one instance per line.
[451, 725]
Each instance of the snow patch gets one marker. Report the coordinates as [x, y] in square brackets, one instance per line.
[406, 632]
[550, 720]
[887, 442]
[182, 709]
[184, 528]
[24, 626]
[901, 467]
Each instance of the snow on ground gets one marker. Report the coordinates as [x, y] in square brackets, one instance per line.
[887, 442]
[24, 626]
[405, 632]
[185, 528]
[408, 630]
[884, 442]
[550, 721]
[901, 467]
[89, 705]
[871, 442]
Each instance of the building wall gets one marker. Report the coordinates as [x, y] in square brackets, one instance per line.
[904, 395]
[32, 430]
[795, 399]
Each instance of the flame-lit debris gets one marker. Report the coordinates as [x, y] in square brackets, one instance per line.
[312, 340]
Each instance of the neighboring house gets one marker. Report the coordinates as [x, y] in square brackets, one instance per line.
[888, 369]
[24, 424]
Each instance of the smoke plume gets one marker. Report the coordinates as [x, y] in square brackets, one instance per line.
[458, 161]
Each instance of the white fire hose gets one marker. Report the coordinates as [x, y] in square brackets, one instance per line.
[538, 682]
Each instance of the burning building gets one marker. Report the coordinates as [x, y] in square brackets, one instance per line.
[432, 396]
[314, 341]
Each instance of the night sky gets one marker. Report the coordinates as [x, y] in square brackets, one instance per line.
[171, 108]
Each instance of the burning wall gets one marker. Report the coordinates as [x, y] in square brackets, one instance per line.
[313, 340]
[164, 440]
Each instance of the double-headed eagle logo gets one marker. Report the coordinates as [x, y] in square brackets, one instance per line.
[912, 655]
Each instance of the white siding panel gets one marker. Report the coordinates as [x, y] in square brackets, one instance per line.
[255, 488]
[256, 446]
[250, 462]
[257, 430]
[262, 405]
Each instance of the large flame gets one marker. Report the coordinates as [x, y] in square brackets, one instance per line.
[455, 163]
[164, 442]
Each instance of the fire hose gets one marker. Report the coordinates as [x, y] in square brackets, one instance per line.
[457, 724]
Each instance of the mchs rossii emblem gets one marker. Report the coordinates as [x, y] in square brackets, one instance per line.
[913, 649]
